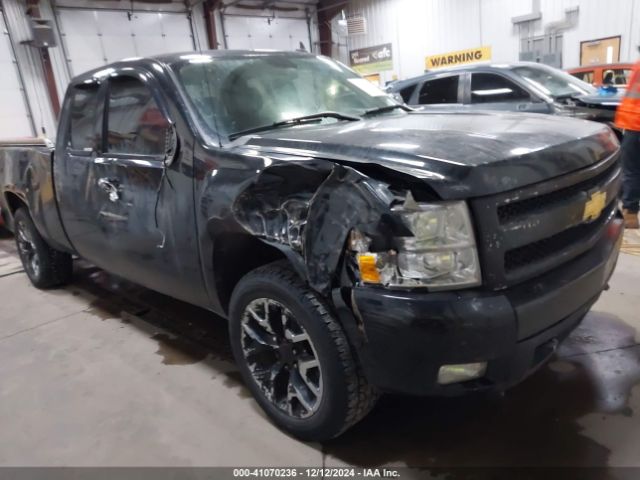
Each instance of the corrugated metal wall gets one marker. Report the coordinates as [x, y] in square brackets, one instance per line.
[58, 59]
[15, 114]
[599, 19]
[31, 68]
[417, 28]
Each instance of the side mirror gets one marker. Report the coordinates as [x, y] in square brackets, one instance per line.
[170, 144]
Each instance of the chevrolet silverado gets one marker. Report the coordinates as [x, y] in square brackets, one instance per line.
[355, 246]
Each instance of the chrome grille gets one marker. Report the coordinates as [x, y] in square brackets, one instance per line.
[528, 232]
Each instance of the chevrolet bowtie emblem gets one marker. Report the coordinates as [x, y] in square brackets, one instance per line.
[594, 206]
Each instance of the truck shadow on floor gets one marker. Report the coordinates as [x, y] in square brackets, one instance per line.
[185, 334]
[546, 421]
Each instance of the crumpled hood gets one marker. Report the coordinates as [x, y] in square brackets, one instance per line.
[598, 107]
[460, 155]
[600, 99]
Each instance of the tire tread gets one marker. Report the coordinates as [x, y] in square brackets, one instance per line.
[362, 396]
[57, 266]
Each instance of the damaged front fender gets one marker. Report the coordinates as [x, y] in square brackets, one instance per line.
[346, 200]
[306, 208]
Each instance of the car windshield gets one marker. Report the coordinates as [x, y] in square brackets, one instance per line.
[236, 93]
[552, 82]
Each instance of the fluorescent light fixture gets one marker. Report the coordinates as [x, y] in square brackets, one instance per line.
[494, 91]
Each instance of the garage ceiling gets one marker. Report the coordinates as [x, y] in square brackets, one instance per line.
[264, 4]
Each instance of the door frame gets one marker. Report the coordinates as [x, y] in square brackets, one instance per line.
[415, 96]
[150, 82]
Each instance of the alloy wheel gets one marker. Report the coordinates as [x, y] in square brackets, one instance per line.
[281, 358]
[27, 249]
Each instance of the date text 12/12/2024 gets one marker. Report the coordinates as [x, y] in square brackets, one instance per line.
[317, 472]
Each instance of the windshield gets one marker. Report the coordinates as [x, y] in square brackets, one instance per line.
[236, 93]
[552, 82]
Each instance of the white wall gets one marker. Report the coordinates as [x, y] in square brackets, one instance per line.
[15, 115]
[31, 68]
[268, 29]
[418, 28]
[92, 38]
[256, 32]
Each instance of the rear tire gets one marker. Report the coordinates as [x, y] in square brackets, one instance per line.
[294, 357]
[45, 266]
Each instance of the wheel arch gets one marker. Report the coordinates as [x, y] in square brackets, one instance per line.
[13, 202]
[237, 254]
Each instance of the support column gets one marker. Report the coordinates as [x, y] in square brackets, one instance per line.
[34, 12]
[209, 7]
[327, 10]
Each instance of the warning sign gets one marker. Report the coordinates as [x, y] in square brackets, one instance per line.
[459, 57]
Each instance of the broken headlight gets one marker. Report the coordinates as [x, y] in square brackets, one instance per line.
[441, 254]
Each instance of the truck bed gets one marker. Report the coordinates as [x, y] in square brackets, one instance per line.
[26, 179]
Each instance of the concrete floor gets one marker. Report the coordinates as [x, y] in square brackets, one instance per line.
[104, 373]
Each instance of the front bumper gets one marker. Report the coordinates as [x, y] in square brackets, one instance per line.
[403, 337]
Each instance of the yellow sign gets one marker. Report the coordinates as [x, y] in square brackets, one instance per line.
[593, 208]
[460, 57]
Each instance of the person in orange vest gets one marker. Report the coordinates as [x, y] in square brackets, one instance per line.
[628, 119]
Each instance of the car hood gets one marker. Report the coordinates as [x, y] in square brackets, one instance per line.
[600, 101]
[460, 155]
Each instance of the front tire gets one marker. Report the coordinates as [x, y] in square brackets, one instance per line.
[294, 357]
[45, 266]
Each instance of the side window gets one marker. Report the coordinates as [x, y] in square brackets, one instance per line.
[621, 76]
[82, 127]
[135, 124]
[440, 90]
[490, 88]
[607, 77]
[407, 92]
[584, 76]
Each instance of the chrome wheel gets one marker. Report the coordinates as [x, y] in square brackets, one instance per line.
[27, 249]
[281, 358]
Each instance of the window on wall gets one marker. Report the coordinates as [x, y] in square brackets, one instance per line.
[440, 90]
[491, 88]
[135, 124]
[83, 134]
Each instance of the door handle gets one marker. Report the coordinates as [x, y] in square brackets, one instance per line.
[112, 187]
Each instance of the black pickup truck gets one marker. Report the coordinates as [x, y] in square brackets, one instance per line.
[356, 247]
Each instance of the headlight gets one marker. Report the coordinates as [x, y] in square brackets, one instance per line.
[442, 254]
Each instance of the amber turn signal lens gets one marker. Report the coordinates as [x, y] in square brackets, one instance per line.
[368, 271]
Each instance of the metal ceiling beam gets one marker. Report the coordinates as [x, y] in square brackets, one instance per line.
[266, 4]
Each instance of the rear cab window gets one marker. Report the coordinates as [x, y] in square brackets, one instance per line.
[493, 88]
[440, 91]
